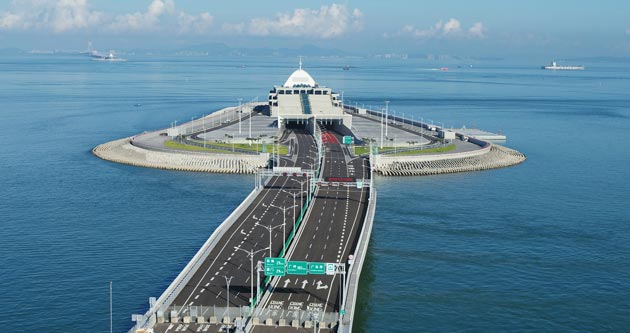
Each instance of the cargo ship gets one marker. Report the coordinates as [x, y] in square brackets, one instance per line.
[555, 66]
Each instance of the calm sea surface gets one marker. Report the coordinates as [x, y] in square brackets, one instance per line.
[542, 246]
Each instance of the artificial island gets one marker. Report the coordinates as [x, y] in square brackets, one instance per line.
[289, 257]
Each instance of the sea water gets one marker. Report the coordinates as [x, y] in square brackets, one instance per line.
[541, 246]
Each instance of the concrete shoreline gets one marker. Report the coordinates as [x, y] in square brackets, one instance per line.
[483, 156]
[492, 157]
[122, 151]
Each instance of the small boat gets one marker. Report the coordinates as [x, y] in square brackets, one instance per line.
[109, 57]
[346, 68]
[555, 66]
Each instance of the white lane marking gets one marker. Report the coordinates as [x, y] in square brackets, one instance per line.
[196, 297]
[207, 284]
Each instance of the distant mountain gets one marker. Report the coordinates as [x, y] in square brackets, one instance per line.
[222, 49]
[600, 59]
[11, 51]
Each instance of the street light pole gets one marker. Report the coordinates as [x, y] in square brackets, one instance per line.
[111, 321]
[251, 255]
[240, 111]
[270, 228]
[227, 298]
[284, 218]
[301, 191]
[386, 116]
[382, 118]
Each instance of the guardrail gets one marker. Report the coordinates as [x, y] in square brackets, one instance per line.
[352, 284]
[168, 296]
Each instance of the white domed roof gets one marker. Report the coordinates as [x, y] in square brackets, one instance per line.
[300, 78]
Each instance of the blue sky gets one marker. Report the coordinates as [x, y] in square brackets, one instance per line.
[484, 27]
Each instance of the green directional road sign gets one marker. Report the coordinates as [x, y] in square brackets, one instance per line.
[317, 268]
[275, 266]
[297, 267]
[348, 140]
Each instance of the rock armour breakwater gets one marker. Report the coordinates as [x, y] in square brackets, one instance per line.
[122, 151]
[495, 157]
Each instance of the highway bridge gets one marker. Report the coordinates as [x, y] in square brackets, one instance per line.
[310, 208]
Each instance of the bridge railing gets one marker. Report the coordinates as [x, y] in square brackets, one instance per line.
[351, 288]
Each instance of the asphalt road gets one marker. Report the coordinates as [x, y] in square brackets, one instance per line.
[330, 234]
[208, 285]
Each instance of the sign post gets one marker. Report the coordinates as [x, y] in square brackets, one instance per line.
[297, 267]
[316, 268]
[275, 266]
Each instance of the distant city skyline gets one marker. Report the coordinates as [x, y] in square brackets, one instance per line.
[480, 28]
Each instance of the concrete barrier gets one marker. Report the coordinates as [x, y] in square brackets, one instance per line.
[489, 157]
[354, 272]
[122, 151]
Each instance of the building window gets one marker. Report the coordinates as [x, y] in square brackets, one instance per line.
[318, 92]
[281, 92]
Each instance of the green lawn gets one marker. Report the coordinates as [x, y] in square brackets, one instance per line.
[243, 146]
[426, 151]
[177, 145]
[360, 150]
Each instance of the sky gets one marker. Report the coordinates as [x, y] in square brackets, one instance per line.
[461, 27]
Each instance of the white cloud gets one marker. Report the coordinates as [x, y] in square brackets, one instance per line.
[145, 21]
[326, 22]
[449, 29]
[9, 20]
[75, 15]
[195, 23]
[628, 32]
[58, 16]
[477, 30]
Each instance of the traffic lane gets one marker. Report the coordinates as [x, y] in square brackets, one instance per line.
[193, 293]
[324, 289]
[314, 291]
[203, 276]
[213, 289]
[327, 201]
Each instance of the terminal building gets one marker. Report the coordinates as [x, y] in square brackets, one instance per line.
[302, 101]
